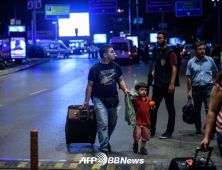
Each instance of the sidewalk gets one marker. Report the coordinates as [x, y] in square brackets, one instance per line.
[26, 64]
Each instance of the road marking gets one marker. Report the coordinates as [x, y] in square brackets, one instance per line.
[149, 167]
[73, 165]
[134, 167]
[111, 167]
[40, 164]
[134, 75]
[0, 105]
[59, 165]
[118, 108]
[37, 92]
[132, 89]
[2, 164]
[96, 166]
[22, 165]
[135, 81]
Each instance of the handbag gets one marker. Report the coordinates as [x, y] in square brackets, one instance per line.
[189, 112]
[110, 102]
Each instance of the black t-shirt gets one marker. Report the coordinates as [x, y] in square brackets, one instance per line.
[106, 77]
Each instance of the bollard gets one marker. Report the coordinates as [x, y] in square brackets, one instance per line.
[34, 150]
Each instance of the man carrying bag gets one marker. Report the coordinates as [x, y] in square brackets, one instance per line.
[102, 85]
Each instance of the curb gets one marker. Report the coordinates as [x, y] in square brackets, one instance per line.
[22, 67]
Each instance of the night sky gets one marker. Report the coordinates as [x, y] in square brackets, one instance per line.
[104, 23]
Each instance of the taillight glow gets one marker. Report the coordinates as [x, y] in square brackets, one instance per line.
[129, 53]
[183, 50]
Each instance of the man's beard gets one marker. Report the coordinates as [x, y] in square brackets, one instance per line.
[161, 44]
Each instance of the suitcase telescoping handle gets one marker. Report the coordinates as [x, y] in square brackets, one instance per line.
[210, 149]
[80, 108]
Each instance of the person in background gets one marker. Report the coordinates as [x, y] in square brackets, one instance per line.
[92, 51]
[177, 51]
[89, 51]
[192, 52]
[96, 49]
[200, 70]
[215, 54]
[164, 75]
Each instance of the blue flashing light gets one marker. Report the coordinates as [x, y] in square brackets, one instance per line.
[5, 45]
[37, 40]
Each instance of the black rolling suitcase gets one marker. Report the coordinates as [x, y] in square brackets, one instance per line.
[193, 163]
[81, 126]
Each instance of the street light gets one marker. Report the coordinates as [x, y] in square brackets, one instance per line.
[56, 27]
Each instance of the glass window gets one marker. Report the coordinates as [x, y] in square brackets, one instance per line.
[120, 46]
[62, 46]
[53, 46]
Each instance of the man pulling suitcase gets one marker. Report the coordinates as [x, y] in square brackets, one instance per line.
[102, 80]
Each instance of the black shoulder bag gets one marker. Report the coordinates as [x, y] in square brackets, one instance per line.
[189, 112]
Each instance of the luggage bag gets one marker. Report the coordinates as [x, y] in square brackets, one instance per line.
[198, 163]
[81, 125]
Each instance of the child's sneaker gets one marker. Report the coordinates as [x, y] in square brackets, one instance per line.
[143, 151]
[135, 147]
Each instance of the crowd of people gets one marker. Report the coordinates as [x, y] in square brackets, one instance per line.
[202, 77]
[92, 50]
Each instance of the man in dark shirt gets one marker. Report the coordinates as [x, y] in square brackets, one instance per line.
[164, 85]
[102, 80]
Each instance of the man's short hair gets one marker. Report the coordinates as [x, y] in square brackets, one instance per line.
[164, 33]
[198, 44]
[104, 49]
[140, 85]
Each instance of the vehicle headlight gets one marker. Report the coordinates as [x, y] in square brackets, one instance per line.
[71, 51]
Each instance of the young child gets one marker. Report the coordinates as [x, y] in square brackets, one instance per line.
[142, 108]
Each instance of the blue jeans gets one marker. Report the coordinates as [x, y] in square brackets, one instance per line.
[106, 122]
[201, 95]
[219, 143]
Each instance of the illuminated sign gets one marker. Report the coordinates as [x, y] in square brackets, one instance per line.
[159, 6]
[78, 21]
[53, 11]
[188, 8]
[134, 39]
[13, 28]
[18, 47]
[103, 6]
[153, 37]
[99, 38]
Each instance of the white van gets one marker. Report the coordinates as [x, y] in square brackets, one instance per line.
[55, 48]
[123, 48]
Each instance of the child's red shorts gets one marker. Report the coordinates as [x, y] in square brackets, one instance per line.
[141, 131]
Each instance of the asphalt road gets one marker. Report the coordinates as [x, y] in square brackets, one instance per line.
[38, 97]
